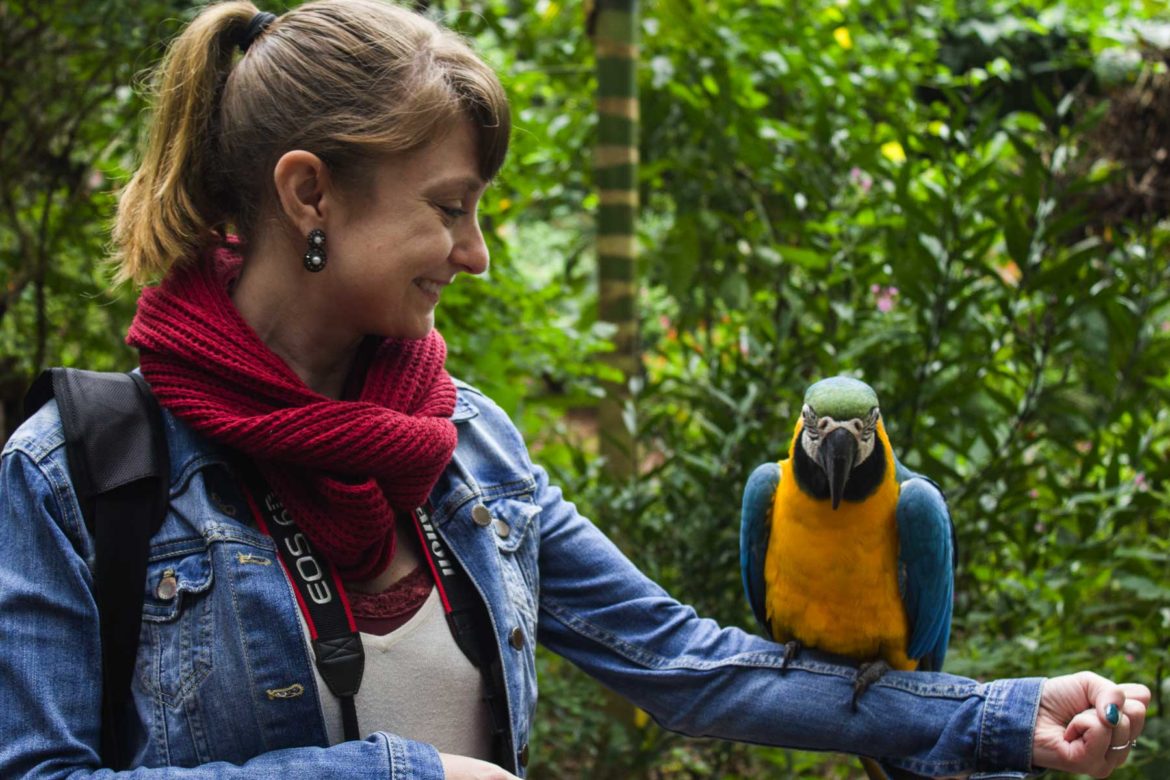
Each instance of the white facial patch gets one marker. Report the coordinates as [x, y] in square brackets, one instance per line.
[817, 428]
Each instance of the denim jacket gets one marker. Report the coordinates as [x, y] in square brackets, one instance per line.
[224, 683]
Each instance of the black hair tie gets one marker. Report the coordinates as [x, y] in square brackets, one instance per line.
[257, 26]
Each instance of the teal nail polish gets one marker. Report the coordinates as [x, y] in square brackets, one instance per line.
[1112, 714]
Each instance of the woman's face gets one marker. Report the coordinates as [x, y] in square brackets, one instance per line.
[395, 247]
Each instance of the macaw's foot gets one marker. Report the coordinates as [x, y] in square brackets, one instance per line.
[791, 650]
[867, 675]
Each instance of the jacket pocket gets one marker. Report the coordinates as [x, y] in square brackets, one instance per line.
[174, 653]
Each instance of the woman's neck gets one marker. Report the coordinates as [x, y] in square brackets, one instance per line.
[279, 304]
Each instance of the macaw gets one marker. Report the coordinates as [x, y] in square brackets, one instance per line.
[843, 548]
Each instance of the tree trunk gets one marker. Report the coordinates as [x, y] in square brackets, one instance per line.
[615, 26]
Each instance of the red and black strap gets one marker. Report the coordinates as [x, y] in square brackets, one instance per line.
[336, 641]
[337, 645]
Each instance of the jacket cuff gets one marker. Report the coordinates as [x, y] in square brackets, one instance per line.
[411, 760]
[1007, 729]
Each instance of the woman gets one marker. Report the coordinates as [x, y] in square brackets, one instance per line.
[308, 417]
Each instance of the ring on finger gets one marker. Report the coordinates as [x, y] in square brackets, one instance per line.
[1126, 746]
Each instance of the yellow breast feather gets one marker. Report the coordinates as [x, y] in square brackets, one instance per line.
[832, 574]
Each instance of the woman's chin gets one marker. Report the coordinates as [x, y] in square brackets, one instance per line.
[414, 331]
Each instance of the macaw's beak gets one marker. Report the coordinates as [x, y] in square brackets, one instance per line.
[837, 453]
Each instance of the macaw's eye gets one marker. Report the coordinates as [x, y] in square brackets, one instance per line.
[810, 422]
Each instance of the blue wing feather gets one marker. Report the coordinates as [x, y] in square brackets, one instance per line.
[926, 552]
[755, 527]
[901, 473]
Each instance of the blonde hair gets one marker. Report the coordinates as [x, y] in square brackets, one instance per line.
[348, 80]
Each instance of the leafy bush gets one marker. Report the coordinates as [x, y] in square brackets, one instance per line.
[824, 194]
[905, 192]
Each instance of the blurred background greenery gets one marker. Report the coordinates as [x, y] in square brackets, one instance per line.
[963, 202]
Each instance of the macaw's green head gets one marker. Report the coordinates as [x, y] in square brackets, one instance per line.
[840, 428]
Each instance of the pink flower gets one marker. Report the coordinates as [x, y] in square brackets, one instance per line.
[884, 297]
[862, 180]
[1140, 482]
[1039, 528]
[1033, 493]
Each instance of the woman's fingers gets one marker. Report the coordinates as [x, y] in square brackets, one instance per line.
[1104, 695]
[1125, 736]
[1120, 745]
[465, 768]
[1136, 691]
[1088, 742]
[1135, 710]
[1087, 724]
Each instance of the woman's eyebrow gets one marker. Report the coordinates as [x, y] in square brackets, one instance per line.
[461, 183]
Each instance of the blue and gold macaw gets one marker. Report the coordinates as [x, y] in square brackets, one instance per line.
[843, 548]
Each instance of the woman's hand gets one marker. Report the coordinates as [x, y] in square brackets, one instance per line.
[464, 768]
[1088, 724]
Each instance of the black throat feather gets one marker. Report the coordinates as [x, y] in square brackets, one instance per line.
[863, 480]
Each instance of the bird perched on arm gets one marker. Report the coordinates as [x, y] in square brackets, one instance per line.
[844, 549]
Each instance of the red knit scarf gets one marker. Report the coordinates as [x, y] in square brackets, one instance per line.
[341, 468]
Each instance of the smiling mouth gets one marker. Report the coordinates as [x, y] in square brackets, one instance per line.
[430, 288]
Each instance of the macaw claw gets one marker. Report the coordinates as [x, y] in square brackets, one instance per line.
[867, 675]
[791, 650]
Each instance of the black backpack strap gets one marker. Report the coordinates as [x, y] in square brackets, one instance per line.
[116, 447]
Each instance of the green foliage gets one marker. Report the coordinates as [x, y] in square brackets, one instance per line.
[528, 333]
[894, 192]
[69, 120]
[897, 191]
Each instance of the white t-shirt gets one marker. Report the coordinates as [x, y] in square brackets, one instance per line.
[419, 685]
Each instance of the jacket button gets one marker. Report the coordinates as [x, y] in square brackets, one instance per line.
[502, 528]
[168, 585]
[524, 755]
[481, 515]
[516, 638]
[223, 506]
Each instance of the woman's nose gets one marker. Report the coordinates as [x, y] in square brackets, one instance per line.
[470, 252]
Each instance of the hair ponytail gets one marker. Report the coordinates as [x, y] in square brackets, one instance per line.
[348, 80]
[168, 210]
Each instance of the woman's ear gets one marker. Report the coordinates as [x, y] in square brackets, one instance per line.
[304, 190]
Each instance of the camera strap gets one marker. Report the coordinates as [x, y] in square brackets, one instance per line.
[455, 590]
[469, 624]
[336, 641]
[337, 645]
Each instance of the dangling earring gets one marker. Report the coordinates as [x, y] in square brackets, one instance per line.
[315, 257]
